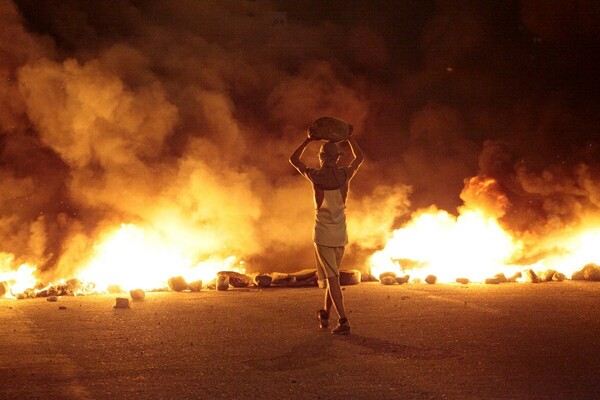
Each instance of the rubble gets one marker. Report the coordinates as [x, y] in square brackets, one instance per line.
[196, 286]
[367, 277]
[121, 302]
[178, 284]
[591, 272]
[305, 277]
[384, 274]
[263, 280]
[514, 277]
[137, 294]
[350, 277]
[558, 277]
[531, 276]
[547, 275]
[222, 282]
[236, 279]
[578, 276]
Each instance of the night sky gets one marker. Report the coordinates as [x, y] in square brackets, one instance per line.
[139, 111]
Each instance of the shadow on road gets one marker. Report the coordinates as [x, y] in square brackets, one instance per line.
[373, 346]
[322, 347]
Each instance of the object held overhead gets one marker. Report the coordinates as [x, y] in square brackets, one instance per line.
[329, 128]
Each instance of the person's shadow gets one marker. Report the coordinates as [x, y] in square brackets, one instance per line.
[321, 347]
[372, 345]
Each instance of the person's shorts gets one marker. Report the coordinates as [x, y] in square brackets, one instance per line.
[328, 260]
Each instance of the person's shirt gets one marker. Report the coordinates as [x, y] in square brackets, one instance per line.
[330, 186]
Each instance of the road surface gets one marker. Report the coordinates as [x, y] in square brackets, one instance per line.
[417, 341]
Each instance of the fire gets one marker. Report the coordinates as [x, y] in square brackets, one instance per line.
[16, 281]
[132, 257]
[571, 251]
[471, 245]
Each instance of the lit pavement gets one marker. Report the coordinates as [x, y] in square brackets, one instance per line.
[510, 341]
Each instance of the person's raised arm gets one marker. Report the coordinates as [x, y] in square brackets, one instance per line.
[295, 157]
[357, 153]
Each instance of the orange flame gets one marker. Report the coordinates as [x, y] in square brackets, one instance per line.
[435, 242]
[132, 257]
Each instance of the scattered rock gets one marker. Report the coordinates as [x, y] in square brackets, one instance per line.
[3, 288]
[62, 307]
[308, 281]
[463, 281]
[222, 282]
[591, 272]
[263, 280]
[384, 274]
[578, 276]
[531, 276]
[52, 298]
[137, 294]
[74, 285]
[280, 279]
[501, 278]
[547, 275]
[559, 277]
[367, 277]
[178, 284]
[304, 274]
[350, 277]
[196, 286]
[514, 277]
[492, 281]
[388, 280]
[236, 279]
[402, 279]
[431, 279]
[121, 302]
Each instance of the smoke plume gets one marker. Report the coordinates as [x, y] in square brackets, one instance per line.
[180, 116]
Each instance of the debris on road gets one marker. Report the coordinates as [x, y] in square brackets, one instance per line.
[196, 286]
[178, 284]
[222, 282]
[121, 302]
[137, 294]
[263, 280]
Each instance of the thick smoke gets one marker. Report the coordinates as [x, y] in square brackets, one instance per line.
[180, 116]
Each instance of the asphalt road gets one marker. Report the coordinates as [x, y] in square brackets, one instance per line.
[509, 341]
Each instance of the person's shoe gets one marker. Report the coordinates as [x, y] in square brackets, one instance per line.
[342, 328]
[323, 317]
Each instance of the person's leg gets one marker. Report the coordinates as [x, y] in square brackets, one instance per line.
[336, 296]
[323, 314]
[328, 302]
